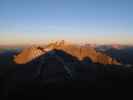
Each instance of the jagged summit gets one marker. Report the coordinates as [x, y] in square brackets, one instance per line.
[29, 54]
[59, 43]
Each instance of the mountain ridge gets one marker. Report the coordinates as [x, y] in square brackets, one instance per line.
[80, 52]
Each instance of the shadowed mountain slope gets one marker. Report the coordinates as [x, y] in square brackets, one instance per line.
[57, 68]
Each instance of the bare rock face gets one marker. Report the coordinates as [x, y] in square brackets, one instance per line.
[84, 52]
[29, 54]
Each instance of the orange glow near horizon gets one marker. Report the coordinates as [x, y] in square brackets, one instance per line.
[25, 39]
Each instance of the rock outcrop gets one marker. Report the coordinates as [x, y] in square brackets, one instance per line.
[28, 54]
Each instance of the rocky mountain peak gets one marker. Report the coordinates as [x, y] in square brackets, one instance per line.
[79, 52]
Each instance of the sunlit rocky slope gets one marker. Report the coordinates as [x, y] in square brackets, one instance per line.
[80, 52]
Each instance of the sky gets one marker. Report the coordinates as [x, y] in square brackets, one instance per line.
[80, 21]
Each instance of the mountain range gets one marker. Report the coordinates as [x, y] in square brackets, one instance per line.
[62, 64]
[80, 52]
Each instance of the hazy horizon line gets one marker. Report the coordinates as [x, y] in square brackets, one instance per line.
[68, 41]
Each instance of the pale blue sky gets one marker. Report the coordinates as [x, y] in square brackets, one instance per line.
[37, 21]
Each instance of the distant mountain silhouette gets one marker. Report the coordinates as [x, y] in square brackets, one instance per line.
[77, 51]
[124, 55]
